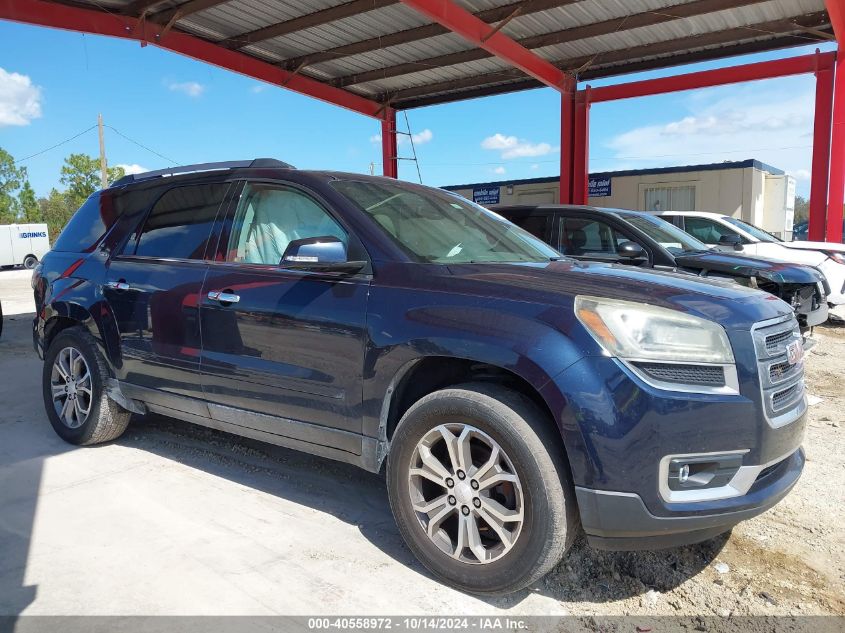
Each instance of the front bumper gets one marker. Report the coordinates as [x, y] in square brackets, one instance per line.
[621, 521]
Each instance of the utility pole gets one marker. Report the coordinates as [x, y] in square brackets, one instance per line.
[104, 172]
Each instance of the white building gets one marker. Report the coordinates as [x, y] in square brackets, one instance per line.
[749, 190]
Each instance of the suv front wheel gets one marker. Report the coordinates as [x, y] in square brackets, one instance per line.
[480, 489]
[73, 380]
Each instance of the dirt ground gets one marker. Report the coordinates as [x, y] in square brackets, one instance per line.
[177, 519]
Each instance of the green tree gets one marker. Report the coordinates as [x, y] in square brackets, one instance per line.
[81, 176]
[29, 208]
[11, 178]
[55, 211]
[802, 209]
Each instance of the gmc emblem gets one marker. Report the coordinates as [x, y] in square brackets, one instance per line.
[794, 352]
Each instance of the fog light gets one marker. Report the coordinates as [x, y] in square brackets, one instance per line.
[683, 474]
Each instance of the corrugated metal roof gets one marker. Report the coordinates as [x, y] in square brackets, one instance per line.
[372, 64]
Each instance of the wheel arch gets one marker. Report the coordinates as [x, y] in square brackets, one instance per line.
[422, 376]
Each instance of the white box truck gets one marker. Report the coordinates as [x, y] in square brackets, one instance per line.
[23, 244]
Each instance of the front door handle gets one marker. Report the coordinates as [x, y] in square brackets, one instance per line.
[118, 285]
[223, 297]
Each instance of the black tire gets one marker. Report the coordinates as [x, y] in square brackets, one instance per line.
[534, 448]
[106, 419]
[30, 262]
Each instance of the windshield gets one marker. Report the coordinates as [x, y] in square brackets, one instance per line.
[754, 231]
[665, 233]
[433, 226]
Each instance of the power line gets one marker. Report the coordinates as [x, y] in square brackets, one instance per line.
[52, 147]
[141, 145]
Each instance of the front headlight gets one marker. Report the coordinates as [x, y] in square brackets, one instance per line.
[637, 331]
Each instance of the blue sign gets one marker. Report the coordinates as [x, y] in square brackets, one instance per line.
[33, 234]
[486, 195]
[599, 188]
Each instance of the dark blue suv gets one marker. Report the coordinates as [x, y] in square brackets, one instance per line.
[511, 393]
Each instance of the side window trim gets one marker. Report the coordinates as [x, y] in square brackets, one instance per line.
[355, 247]
[138, 230]
[615, 227]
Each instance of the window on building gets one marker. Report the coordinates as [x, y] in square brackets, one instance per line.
[663, 198]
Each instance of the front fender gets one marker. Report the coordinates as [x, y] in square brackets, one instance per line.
[522, 338]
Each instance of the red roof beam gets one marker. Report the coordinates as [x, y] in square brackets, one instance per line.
[61, 16]
[491, 39]
[722, 76]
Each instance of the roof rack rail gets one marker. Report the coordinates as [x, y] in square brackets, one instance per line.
[187, 169]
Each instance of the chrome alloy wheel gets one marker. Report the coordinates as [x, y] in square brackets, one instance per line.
[71, 387]
[466, 493]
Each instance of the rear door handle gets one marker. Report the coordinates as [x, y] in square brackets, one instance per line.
[223, 297]
[118, 285]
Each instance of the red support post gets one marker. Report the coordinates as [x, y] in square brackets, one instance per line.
[72, 18]
[836, 187]
[821, 153]
[581, 147]
[389, 148]
[567, 141]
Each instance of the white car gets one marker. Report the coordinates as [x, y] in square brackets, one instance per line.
[725, 232]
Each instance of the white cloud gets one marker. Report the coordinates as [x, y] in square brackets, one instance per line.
[499, 170]
[535, 167]
[134, 168]
[421, 138]
[190, 88]
[513, 147]
[20, 100]
[771, 122]
[257, 88]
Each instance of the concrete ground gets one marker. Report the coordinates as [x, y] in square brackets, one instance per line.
[176, 519]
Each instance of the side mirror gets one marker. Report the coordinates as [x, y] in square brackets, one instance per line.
[630, 250]
[734, 241]
[320, 254]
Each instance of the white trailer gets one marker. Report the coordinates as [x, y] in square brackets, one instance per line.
[23, 244]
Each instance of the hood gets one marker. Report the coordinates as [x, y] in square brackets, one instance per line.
[742, 266]
[557, 283]
[815, 246]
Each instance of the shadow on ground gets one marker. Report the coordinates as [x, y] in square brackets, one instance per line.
[360, 498]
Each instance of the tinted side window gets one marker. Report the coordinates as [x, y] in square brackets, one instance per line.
[584, 237]
[269, 218]
[706, 230]
[87, 225]
[180, 223]
[535, 224]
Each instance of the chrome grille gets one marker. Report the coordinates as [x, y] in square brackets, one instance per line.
[783, 371]
[781, 382]
[786, 397]
[776, 343]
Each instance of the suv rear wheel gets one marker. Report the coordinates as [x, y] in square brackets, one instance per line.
[480, 488]
[73, 380]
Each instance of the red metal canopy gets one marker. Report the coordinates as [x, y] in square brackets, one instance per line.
[377, 56]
